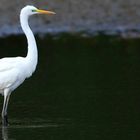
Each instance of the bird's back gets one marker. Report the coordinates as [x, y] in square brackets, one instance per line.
[11, 73]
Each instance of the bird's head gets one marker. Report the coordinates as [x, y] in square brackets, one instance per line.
[31, 10]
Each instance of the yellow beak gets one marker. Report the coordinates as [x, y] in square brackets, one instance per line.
[45, 12]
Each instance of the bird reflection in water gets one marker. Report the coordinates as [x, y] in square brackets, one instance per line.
[5, 133]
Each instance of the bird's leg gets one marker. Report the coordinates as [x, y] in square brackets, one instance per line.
[4, 110]
[4, 133]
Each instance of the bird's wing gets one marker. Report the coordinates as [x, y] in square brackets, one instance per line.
[8, 63]
[8, 71]
[8, 78]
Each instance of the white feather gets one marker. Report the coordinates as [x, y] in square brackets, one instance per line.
[14, 70]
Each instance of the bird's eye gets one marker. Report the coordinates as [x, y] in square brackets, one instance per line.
[34, 10]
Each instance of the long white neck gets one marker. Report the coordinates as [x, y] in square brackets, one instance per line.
[32, 54]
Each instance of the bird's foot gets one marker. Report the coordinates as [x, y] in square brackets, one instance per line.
[5, 120]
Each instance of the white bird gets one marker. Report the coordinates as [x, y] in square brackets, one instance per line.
[14, 70]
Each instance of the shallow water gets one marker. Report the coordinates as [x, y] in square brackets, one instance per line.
[83, 88]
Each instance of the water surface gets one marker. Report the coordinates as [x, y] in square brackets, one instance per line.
[83, 88]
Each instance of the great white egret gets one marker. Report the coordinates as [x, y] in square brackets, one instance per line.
[14, 70]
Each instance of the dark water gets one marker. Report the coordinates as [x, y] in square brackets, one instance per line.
[83, 88]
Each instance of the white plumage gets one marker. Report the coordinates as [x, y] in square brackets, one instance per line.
[14, 70]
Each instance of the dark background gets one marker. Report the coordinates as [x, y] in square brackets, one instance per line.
[84, 87]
